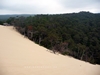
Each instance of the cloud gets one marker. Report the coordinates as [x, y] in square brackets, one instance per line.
[47, 6]
[30, 6]
[79, 5]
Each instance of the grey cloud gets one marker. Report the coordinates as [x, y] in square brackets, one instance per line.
[50, 6]
[79, 3]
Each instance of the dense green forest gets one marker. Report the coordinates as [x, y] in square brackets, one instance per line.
[74, 34]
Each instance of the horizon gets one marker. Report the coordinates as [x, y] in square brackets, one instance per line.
[49, 14]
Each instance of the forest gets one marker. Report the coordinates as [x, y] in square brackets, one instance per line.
[73, 34]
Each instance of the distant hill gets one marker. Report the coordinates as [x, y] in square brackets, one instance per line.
[5, 17]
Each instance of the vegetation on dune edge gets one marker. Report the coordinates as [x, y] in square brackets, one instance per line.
[76, 34]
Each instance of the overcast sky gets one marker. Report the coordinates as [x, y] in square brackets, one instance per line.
[48, 6]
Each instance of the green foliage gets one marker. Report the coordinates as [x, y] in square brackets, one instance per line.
[76, 34]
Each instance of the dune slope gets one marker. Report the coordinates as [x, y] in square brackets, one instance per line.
[20, 56]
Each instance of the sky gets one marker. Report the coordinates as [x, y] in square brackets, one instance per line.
[48, 6]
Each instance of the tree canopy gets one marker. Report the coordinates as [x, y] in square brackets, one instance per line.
[75, 34]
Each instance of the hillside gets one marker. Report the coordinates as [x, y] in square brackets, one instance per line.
[20, 56]
[73, 34]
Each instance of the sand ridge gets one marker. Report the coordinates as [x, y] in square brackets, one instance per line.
[20, 56]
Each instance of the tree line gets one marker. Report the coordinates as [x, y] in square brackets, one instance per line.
[75, 34]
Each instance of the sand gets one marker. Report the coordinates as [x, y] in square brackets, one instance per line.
[20, 56]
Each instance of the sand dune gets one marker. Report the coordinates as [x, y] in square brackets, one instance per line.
[20, 56]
